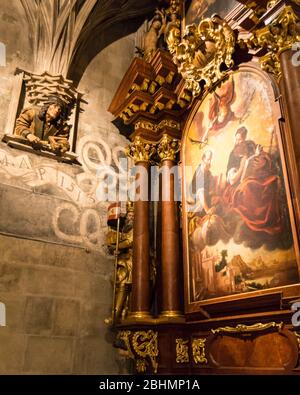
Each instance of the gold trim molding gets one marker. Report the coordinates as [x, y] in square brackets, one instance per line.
[167, 149]
[169, 123]
[145, 345]
[202, 51]
[198, 348]
[182, 351]
[241, 328]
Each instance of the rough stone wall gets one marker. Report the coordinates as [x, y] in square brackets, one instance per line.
[54, 270]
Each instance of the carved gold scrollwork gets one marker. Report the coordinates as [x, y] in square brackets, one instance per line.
[241, 328]
[198, 348]
[276, 37]
[168, 148]
[146, 125]
[271, 64]
[182, 351]
[145, 345]
[202, 52]
[141, 365]
[140, 150]
[156, 128]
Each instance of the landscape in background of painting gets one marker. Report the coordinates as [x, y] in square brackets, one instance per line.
[238, 227]
[207, 8]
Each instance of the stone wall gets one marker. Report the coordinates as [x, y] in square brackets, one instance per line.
[54, 269]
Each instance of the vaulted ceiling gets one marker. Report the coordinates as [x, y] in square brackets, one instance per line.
[67, 34]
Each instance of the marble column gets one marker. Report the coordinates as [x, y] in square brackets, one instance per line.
[170, 273]
[141, 151]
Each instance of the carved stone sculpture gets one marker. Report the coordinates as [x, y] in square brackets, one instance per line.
[45, 127]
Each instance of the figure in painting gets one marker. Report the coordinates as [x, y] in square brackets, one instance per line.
[44, 126]
[253, 189]
[224, 108]
[202, 186]
[206, 225]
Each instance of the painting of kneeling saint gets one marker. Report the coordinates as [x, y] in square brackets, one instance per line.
[239, 228]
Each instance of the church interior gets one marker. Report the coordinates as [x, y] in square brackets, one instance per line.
[150, 187]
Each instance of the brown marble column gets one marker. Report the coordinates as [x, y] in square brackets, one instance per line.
[170, 273]
[290, 89]
[141, 152]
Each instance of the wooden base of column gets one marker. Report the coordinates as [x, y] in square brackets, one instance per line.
[139, 317]
[171, 316]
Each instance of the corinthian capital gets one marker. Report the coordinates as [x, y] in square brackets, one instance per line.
[168, 148]
[279, 35]
[140, 150]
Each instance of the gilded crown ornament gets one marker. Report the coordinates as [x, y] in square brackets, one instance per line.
[202, 52]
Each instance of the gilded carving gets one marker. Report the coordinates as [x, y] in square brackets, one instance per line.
[140, 150]
[125, 337]
[241, 328]
[168, 148]
[169, 123]
[182, 351]
[202, 51]
[271, 64]
[276, 37]
[198, 348]
[145, 346]
[45, 127]
[156, 128]
[141, 365]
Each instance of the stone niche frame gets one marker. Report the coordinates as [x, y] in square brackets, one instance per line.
[33, 89]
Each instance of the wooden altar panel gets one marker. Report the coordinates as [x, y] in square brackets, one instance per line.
[239, 228]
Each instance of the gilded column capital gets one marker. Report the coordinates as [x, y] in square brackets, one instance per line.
[167, 148]
[140, 150]
[278, 36]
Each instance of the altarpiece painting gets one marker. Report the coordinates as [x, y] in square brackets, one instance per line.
[239, 229]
